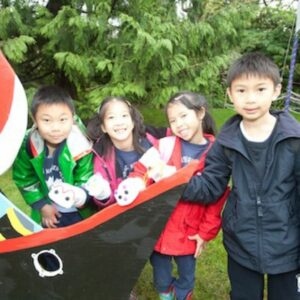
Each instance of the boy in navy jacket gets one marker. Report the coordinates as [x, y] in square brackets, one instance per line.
[260, 151]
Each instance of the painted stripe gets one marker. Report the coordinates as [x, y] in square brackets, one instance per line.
[2, 238]
[7, 78]
[15, 222]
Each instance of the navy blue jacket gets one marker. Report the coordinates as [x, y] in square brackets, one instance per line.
[261, 227]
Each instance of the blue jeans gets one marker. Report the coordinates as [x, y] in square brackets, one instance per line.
[70, 218]
[162, 273]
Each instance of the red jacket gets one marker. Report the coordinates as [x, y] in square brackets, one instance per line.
[188, 218]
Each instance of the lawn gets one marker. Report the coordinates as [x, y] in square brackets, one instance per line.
[211, 278]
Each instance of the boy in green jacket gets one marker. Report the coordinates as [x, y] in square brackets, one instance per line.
[54, 150]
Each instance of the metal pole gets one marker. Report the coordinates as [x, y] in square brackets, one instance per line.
[293, 62]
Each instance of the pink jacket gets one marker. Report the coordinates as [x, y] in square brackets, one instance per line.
[107, 168]
[187, 218]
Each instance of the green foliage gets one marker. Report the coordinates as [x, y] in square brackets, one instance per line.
[139, 49]
[16, 48]
[74, 66]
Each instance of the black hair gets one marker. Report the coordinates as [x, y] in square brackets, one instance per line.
[195, 102]
[51, 94]
[254, 63]
[96, 134]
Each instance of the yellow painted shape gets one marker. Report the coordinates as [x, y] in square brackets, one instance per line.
[15, 222]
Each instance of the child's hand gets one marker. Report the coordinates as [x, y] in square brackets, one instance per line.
[98, 187]
[160, 170]
[50, 216]
[200, 244]
[128, 190]
[157, 169]
[67, 195]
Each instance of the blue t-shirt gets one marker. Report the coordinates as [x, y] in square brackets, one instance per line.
[126, 159]
[191, 151]
[53, 174]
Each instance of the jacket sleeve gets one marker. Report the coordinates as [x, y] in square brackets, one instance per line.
[143, 165]
[83, 170]
[208, 186]
[99, 167]
[211, 221]
[158, 132]
[139, 170]
[26, 178]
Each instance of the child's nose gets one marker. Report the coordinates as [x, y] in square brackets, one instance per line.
[251, 97]
[179, 123]
[55, 126]
[119, 120]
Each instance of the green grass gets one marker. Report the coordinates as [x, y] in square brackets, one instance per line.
[211, 275]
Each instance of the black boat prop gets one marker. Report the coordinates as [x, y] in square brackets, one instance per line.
[98, 258]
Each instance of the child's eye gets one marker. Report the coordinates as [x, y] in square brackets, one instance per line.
[125, 115]
[46, 120]
[63, 119]
[240, 90]
[262, 89]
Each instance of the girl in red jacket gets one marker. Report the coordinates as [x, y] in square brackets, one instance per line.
[190, 226]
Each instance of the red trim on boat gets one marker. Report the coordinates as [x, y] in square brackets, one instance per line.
[48, 236]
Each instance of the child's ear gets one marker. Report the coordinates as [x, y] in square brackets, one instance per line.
[277, 91]
[103, 128]
[229, 94]
[201, 113]
[34, 121]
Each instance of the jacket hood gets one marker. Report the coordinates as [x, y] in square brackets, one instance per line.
[77, 142]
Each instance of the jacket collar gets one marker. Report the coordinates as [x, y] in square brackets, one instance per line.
[77, 143]
[287, 127]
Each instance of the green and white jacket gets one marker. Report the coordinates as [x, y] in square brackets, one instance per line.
[75, 162]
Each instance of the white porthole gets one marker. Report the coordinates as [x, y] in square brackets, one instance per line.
[47, 263]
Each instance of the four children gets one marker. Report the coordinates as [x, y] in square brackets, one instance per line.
[257, 149]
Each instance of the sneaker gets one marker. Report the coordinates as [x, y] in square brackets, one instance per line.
[167, 296]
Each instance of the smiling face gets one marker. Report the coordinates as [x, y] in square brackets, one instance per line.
[118, 124]
[186, 123]
[54, 123]
[252, 96]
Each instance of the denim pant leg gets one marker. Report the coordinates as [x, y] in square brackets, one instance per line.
[185, 283]
[70, 218]
[162, 271]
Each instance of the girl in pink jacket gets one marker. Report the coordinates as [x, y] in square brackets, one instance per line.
[120, 139]
[190, 226]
